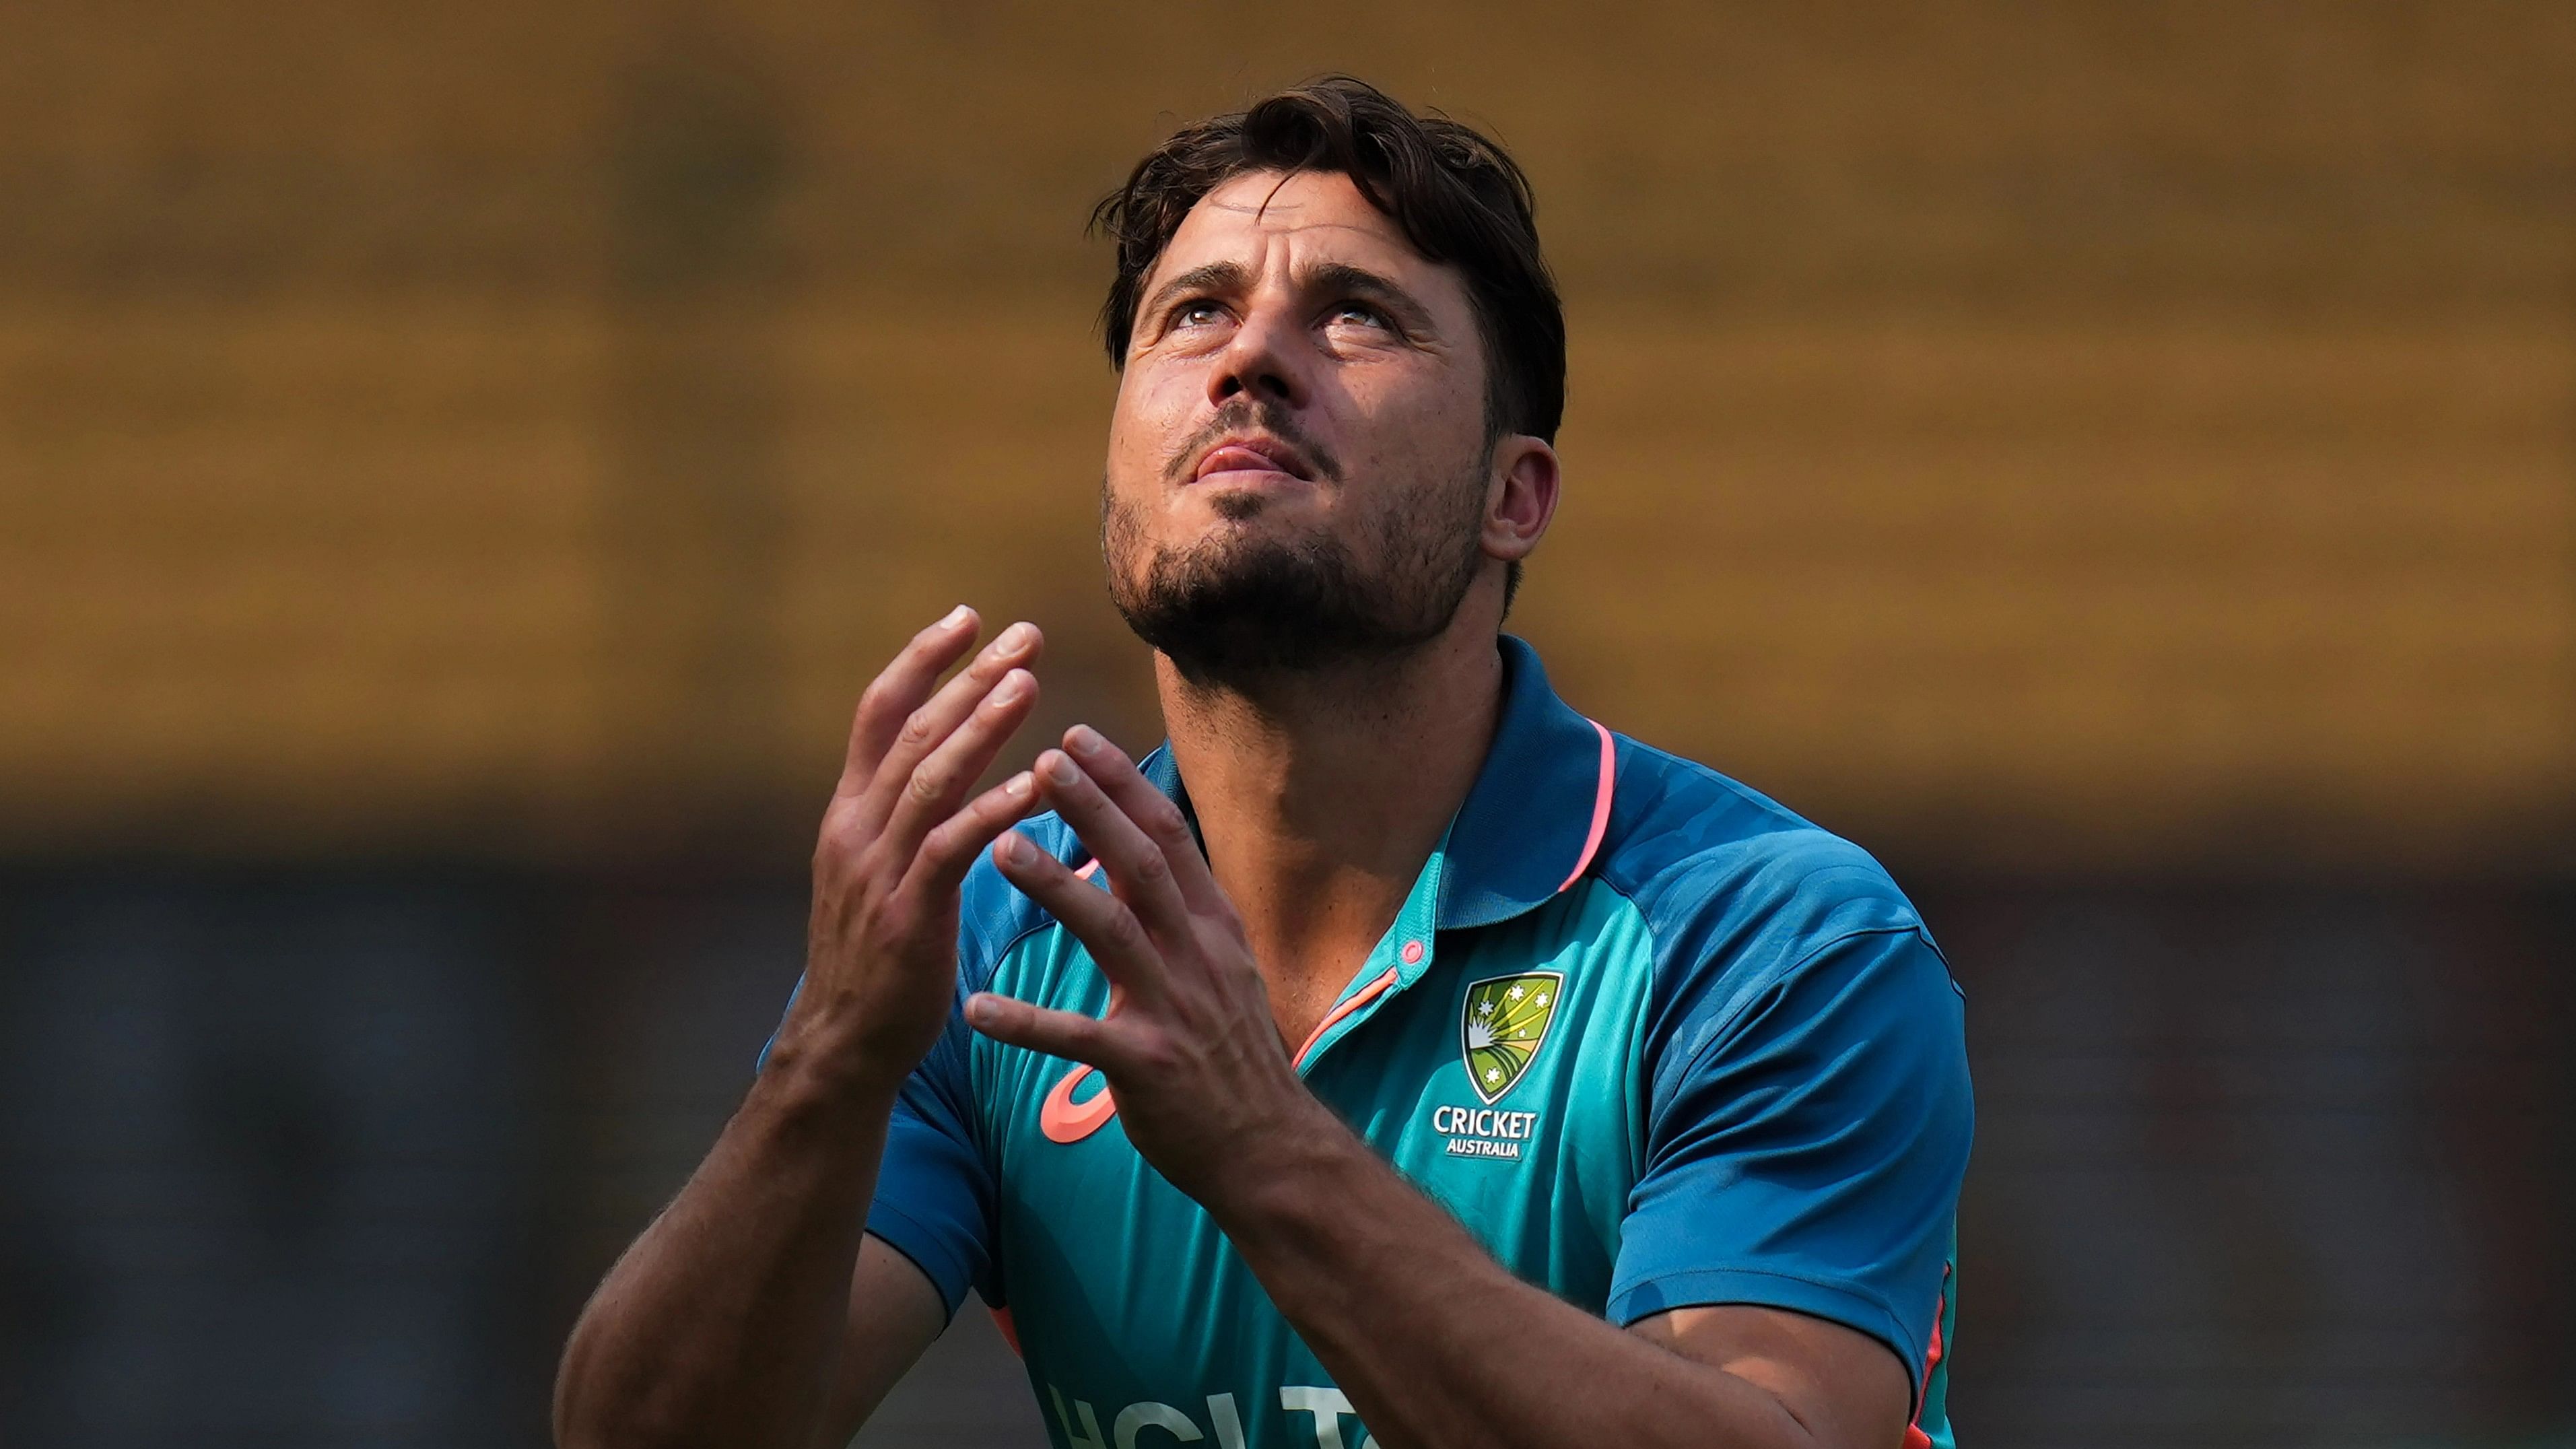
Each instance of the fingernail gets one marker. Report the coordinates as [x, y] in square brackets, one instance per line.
[1013, 685]
[1019, 785]
[956, 616]
[1059, 770]
[979, 1009]
[1014, 639]
[1017, 848]
[1082, 739]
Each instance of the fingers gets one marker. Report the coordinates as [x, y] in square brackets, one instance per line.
[1139, 871]
[949, 850]
[938, 785]
[1101, 921]
[927, 726]
[1151, 810]
[1067, 1034]
[899, 689]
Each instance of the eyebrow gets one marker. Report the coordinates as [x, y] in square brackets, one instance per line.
[1330, 277]
[1361, 282]
[1206, 277]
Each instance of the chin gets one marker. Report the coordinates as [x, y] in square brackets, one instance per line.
[1255, 529]
[1244, 503]
[1241, 505]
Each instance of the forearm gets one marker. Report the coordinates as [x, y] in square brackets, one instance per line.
[722, 1322]
[726, 1322]
[1437, 1345]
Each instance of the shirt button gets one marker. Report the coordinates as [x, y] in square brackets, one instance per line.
[1412, 953]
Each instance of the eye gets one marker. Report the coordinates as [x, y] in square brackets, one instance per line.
[1360, 312]
[1196, 313]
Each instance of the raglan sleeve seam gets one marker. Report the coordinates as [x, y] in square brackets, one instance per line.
[1718, 1028]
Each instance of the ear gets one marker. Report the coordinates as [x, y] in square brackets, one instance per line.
[1520, 501]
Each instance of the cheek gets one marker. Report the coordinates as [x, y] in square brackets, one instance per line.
[1406, 443]
[1149, 419]
[1422, 412]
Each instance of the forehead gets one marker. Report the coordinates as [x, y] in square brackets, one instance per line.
[1266, 218]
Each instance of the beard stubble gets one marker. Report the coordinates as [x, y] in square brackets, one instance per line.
[1237, 606]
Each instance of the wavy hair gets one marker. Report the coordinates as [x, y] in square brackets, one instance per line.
[1457, 196]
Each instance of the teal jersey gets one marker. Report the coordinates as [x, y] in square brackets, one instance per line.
[1654, 1040]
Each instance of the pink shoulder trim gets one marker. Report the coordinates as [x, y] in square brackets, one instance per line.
[1600, 806]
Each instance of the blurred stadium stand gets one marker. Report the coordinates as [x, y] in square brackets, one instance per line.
[459, 463]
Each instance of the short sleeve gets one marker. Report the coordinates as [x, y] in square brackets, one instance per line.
[934, 1198]
[1804, 1149]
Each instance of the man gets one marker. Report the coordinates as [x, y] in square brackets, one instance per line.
[1395, 1058]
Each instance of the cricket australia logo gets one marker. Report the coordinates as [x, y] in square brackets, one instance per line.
[1505, 1019]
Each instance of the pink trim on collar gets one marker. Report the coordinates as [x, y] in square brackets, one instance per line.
[1359, 998]
[1600, 806]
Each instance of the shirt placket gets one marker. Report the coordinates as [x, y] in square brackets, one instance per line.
[1401, 957]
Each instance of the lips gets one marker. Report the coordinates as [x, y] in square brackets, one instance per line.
[1252, 455]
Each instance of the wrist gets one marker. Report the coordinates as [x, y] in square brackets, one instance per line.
[1280, 1180]
[804, 1113]
[811, 1066]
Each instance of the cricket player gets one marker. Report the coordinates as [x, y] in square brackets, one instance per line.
[1395, 1057]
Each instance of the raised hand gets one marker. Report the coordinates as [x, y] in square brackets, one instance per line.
[896, 842]
[1189, 1046]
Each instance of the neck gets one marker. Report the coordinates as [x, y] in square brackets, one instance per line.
[1320, 796]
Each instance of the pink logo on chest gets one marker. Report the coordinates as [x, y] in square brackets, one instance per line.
[1063, 1119]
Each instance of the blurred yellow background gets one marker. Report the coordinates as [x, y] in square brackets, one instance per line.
[2134, 437]
[459, 464]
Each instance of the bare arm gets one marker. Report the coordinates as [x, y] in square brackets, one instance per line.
[1436, 1345]
[895, 1313]
[755, 1311]
[752, 1292]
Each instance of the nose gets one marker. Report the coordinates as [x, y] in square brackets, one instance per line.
[1264, 358]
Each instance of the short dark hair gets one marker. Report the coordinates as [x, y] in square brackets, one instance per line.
[1459, 197]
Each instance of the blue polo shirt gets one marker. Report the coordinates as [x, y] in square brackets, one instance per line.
[1653, 1039]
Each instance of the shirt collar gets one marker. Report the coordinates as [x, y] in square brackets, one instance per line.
[1535, 816]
